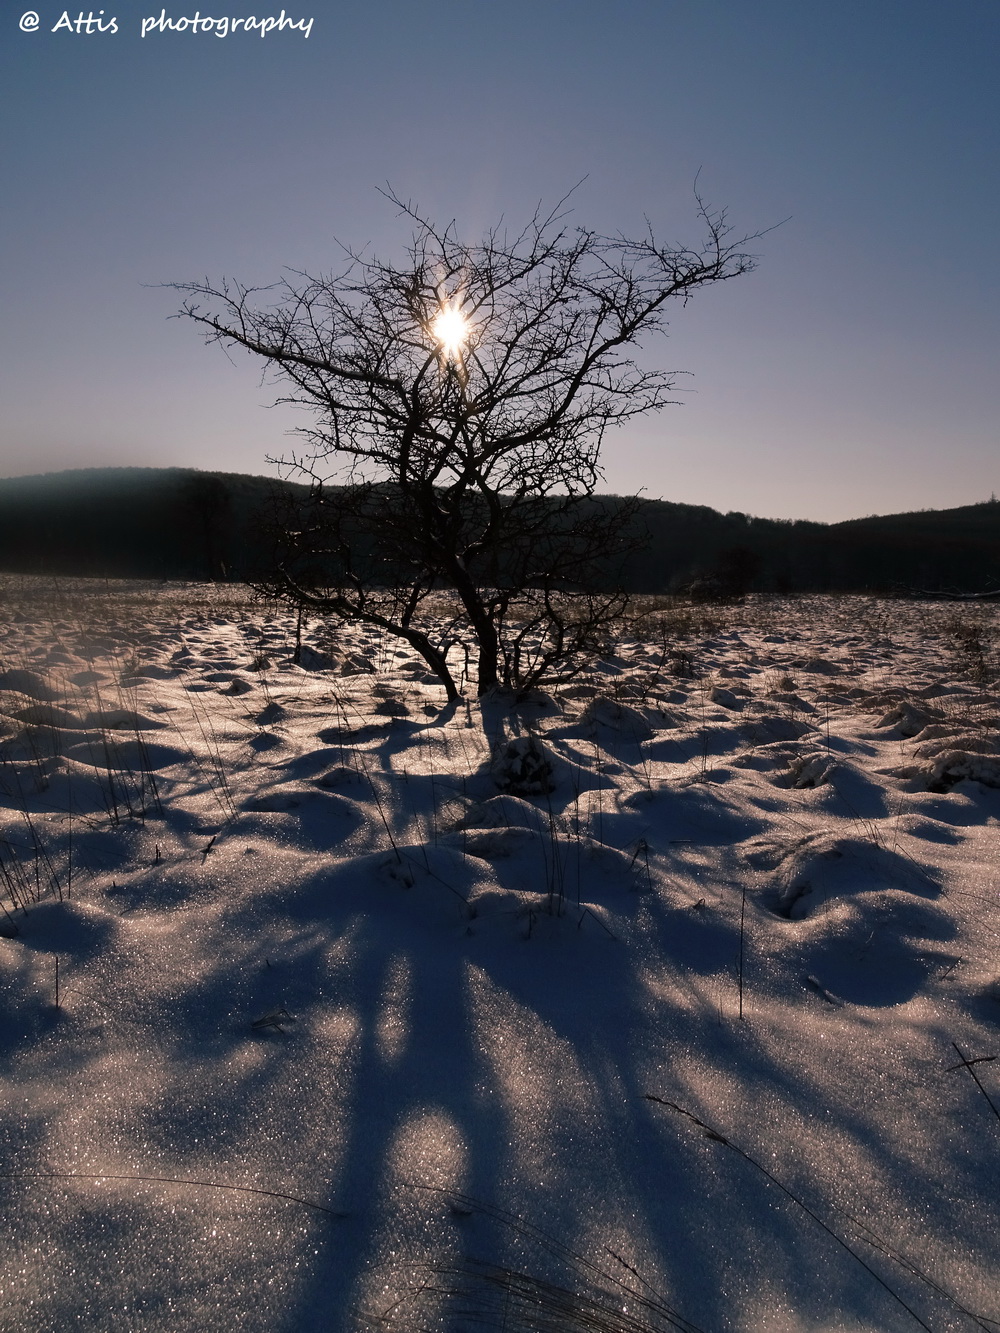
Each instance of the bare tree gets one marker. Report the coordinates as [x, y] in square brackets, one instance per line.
[461, 400]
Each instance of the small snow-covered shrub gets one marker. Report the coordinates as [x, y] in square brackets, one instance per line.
[908, 719]
[810, 770]
[523, 767]
[941, 772]
[973, 639]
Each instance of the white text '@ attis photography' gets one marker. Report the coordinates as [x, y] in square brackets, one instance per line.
[91, 23]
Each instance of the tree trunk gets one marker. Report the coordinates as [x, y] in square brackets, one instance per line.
[435, 660]
[483, 627]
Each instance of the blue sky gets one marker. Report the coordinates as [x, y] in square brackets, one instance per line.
[854, 372]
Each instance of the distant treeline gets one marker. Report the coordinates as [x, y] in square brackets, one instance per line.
[177, 523]
[170, 523]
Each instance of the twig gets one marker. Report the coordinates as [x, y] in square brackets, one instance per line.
[716, 1137]
[966, 1063]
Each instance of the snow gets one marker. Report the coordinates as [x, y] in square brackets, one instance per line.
[641, 1004]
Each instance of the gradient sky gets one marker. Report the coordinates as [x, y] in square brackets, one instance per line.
[854, 372]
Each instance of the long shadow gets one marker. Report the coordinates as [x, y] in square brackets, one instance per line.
[666, 1171]
[353, 1034]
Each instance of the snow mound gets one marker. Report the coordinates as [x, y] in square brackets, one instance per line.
[312, 659]
[632, 723]
[391, 708]
[507, 811]
[908, 719]
[775, 757]
[29, 683]
[725, 698]
[83, 678]
[765, 730]
[971, 742]
[538, 917]
[270, 713]
[489, 844]
[305, 817]
[149, 671]
[239, 685]
[877, 950]
[48, 715]
[122, 719]
[819, 666]
[140, 756]
[410, 887]
[819, 869]
[579, 690]
[692, 812]
[338, 776]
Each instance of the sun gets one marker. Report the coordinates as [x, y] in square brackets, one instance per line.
[451, 331]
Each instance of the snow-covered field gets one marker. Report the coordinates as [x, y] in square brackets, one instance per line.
[636, 1006]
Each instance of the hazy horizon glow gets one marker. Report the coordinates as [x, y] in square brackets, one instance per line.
[854, 372]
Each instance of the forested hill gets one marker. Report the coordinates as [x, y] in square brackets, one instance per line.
[139, 522]
[183, 523]
[950, 550]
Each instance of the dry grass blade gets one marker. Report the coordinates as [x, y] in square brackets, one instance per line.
[488, 1296]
